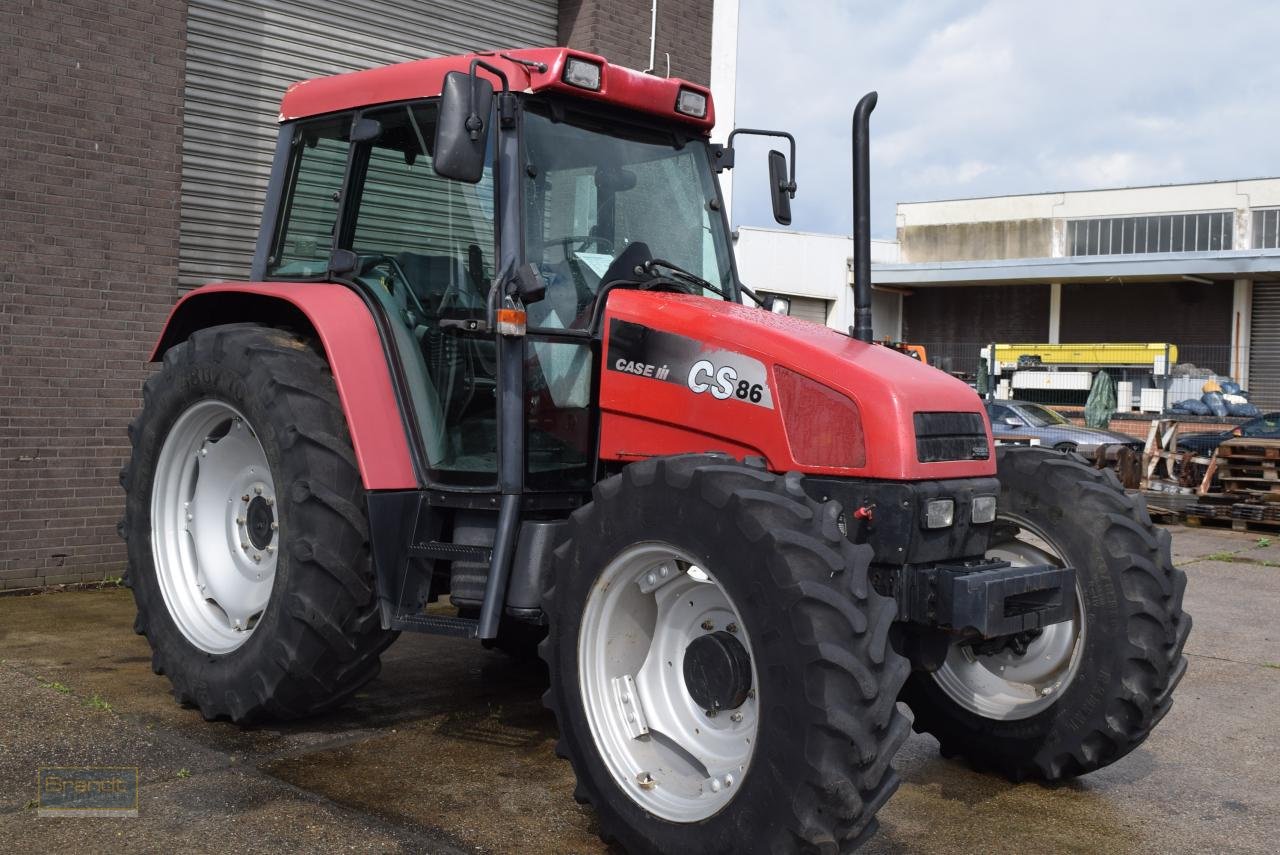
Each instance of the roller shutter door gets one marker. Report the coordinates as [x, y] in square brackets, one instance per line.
[809, 309]
[242, 54]
[1264, 346]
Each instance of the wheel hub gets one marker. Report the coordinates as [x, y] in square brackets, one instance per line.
[258, 521]
[717, 671]
[214, 527]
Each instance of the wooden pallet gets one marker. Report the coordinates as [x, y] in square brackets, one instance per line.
[1249, 466]
[1263, 527]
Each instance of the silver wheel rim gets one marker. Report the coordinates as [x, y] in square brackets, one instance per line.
[661, 748]
[215, 567]
[1010, 686]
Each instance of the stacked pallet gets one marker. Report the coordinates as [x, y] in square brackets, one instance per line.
[1249, 466]
[1249, 472]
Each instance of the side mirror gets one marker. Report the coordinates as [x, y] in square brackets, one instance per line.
[780, 187]
[777, 305]
[462, 128]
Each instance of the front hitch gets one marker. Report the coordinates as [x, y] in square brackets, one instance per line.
[985, 598]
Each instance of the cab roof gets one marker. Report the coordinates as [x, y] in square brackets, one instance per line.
[528, 70]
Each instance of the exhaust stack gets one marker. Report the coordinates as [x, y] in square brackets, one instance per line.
[861, 329]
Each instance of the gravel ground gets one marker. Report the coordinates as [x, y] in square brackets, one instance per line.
[449, 750]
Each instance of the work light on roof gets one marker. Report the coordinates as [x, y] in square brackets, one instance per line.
[582, 73]
[692, 103]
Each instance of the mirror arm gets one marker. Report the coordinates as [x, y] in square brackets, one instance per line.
[791, 180]
[475, 122]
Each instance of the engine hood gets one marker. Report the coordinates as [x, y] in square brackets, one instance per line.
[687, 373]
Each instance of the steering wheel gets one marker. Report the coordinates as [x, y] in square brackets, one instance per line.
[397, 279]
[583, 240]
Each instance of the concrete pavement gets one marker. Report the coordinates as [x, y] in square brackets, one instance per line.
[449, 749]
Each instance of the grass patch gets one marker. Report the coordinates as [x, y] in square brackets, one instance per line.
[1273, 665]
[60, 688]
[98, 703]
[184, 773]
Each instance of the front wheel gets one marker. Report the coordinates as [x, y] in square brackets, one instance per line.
[720, 667]
[1077, 695]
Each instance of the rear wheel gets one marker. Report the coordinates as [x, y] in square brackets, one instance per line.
[246, 529]
[1081, 694]
[720, 666]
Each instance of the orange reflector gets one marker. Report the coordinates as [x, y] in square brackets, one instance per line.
[511, 321]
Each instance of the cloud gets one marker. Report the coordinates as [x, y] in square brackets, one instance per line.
[1002, 96]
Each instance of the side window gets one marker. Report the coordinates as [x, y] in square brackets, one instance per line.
[424, 247]
[434, 233]
[305, 235]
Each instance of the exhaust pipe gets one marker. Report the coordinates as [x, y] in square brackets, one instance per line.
[861, 329]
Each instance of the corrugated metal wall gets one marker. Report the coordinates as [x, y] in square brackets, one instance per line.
[242, 54]
[1264, 346]
[810, 309]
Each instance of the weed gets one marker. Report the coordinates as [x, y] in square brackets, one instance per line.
[98, 703]
[184, 773]
[113, 581]
[1263, 543]
[60, 688]
[1275, 665]
[31, 804]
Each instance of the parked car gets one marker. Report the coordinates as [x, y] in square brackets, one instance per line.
[1266, 426]
[1054, 430]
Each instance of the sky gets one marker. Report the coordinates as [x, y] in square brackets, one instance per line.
[1003, 97]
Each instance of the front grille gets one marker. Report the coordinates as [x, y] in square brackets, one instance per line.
[950, 436]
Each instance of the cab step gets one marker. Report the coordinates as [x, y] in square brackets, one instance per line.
[458, 627]
[440, 551]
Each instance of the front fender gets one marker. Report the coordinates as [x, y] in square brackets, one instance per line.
[349, 336]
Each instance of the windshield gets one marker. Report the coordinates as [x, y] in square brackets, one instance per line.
[591, 195]
[1038, 416]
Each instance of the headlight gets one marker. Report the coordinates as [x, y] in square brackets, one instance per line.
[984, 509]
[939, 513]
[581, 73]
[692, 103]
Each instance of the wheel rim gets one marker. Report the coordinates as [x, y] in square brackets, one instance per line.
[662, 749]
[214, 533]
[1007, 685]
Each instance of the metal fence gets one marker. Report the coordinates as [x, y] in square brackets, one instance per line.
[1148, 382]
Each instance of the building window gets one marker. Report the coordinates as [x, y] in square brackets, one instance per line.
[1165, 233]
[1266, 229]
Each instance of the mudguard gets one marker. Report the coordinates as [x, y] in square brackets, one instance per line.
[351, 343]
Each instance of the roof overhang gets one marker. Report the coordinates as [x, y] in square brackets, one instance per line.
[527, 70]
[1218, 266]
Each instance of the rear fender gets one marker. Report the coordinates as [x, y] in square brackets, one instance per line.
[347, 333]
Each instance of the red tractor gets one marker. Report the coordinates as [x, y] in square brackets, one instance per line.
[496, 377]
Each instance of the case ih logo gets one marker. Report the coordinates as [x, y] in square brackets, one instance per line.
[722, 374]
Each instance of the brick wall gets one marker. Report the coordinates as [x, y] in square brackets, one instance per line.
[89, 205]
[619, 31]
[92, 111]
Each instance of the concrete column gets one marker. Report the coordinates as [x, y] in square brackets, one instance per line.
[1241, 319]
[1055, 312]
[724, 82]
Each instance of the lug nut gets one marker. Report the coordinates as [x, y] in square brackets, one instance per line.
[244, 544]
[711, 713]
[258, 490]
[270, 502]
[708, 625]
[645, 780]
[239, 520]
[275, 526]
[257, 557]
[736, 717]
[733, 627]
[245, 498]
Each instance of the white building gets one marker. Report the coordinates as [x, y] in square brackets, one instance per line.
[1196, 265]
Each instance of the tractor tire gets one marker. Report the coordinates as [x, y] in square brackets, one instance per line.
[1098, 697]
[797, 757]
[250, 567]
